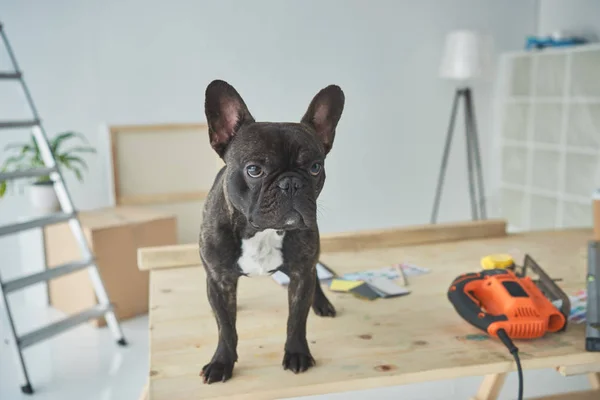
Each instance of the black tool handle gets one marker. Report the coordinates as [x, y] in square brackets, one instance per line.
[466, 305]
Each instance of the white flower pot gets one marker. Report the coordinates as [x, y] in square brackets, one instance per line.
[43, 198]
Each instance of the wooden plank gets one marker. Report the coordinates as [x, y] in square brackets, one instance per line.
[188, 254]
[139, 179]
[578, 369]
[369, 344]
[184, 255]
[160, 198]
[490, 387]
[114, 164]
[594, 380]
[414, 235]
[144, 394]
[580, 395]
[144, 128]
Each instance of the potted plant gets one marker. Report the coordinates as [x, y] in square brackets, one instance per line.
[27, 156]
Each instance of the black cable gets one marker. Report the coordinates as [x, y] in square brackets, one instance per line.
[515, 352]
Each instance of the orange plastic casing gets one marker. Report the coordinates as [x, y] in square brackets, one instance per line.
[529, 314]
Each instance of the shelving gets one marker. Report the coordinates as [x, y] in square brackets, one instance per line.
[548, 141]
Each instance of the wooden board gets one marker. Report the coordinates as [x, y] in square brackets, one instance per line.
[169, 167]
[369, 344]
[188, 254]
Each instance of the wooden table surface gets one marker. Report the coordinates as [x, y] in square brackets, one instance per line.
[385, 342]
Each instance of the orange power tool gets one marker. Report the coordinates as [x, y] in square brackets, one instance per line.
[497, 299]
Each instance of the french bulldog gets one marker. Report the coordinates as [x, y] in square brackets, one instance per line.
[260, 215]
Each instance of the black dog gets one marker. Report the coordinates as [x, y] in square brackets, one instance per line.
[260, 215]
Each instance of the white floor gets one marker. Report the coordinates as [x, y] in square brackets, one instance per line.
[85, 363]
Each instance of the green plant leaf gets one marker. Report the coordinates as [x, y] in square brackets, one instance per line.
[14, 160]
[15, 146]
[81, 149]
[76, 160]
[78, 174]
[62, 137]
[2, 188]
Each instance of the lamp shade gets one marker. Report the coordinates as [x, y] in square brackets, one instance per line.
[466, 55]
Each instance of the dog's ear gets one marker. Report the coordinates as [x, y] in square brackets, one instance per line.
[324, 113]
[225, 112]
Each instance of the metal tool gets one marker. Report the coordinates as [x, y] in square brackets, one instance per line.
[505, 302]
[496, 299]
[592, 329]
[538, 276]
[67, 214]
[546, 285]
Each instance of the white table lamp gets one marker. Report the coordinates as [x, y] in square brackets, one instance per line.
[464, 56]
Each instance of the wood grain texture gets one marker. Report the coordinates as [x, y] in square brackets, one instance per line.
[183, 255]
[579, 369]
[580, 395]
[413, 235]
[490, 387]
[386, 342]
[188, 255]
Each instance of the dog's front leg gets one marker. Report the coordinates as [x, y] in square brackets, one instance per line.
[301, 290]
[222, 295]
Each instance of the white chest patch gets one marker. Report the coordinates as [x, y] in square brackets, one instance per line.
[261, 253]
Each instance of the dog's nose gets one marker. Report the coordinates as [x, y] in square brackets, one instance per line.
[290, 184]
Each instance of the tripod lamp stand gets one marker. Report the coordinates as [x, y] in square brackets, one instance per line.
[463, 61]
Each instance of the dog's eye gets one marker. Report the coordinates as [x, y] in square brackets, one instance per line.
[254, 171]
[315, 169]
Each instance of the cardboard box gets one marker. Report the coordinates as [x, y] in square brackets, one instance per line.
[114, 234]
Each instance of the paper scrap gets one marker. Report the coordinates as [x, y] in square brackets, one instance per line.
[386, 272]
[342, 285]
[391, 272]
[411, 269]
[578, 301]
[365, 291]
[387, 287]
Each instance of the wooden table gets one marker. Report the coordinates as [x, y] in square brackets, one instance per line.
[385, 342]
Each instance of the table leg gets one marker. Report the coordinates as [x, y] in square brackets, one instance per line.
[145, 395]
[594, 378]
[490, 387]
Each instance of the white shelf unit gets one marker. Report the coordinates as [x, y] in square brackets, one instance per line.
[547, 138]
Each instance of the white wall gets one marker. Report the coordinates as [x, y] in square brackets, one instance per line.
[136, 62]
[577, 15]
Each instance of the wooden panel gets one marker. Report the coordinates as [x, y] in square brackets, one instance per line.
[189, 218]
[491, 387]
[413, 235]
[385, 342]
[169, 167]
[187, 254]
[581, 395]
[579, 369]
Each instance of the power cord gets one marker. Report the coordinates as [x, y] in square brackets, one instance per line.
[515, 352]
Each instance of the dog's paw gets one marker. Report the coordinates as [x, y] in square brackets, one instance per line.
[216, 372]
[297, 362]
[323, 308]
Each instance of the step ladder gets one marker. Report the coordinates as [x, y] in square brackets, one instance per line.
[68, 214]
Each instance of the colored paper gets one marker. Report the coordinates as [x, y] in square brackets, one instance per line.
[365, 291]
[342, 285]
[387, 287]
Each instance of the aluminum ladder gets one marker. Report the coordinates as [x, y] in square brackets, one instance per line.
[68, 214]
